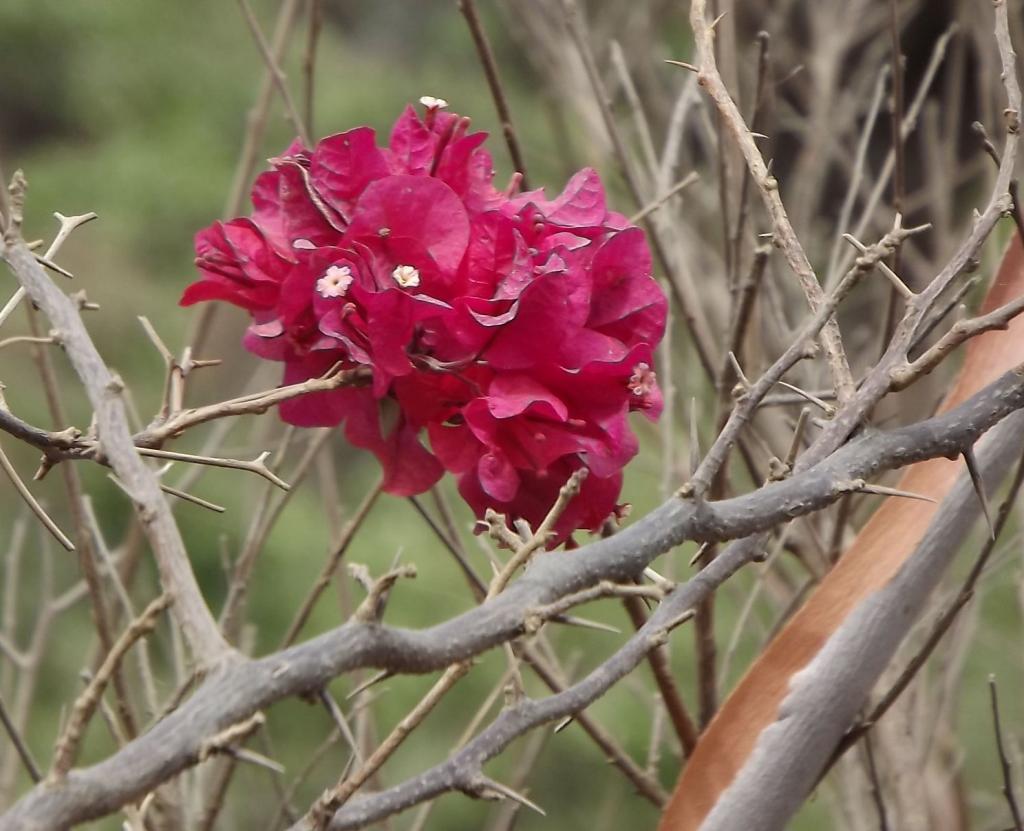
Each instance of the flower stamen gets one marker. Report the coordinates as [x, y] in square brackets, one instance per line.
[406, 276]
[432, 103]
[335, 281]
[643, 380]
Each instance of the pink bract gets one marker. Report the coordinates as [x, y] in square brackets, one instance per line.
[514, 333]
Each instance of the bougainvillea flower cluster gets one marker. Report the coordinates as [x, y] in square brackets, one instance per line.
[510, 333]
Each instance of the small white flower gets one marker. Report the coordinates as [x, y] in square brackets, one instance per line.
[643, 380]
[432, 103]
[406, 276]
[303, 245]
[335, 281]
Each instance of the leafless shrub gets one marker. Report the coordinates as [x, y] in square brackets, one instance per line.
[815, 203]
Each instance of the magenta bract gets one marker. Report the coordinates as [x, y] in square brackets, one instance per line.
[514, 333]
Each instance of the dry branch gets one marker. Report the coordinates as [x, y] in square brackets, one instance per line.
[104, 391]
[86, 704]
[785, 237]
[235, 691]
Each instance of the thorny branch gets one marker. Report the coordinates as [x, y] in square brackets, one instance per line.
[227, 706]
[785, 237]
[85, 706]
[104, 391]
[238, 689]
[72, 445]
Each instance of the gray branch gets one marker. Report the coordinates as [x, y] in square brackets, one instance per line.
[826, 695]
[104, 392]
[235, 691]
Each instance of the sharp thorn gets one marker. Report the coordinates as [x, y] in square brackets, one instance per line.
[586, 623]
[979, 488]
[376, 679]
[704, 546]
[565, 722]
[340, 722]
[883, 490]
[486, 787]
[252, 757]
[684, 65]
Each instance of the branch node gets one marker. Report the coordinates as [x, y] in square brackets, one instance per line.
[223, 741]
[372, 608]
[483, 787]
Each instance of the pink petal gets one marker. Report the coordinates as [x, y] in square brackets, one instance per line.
[497, 261]
[627, 301]
[455, 446]
[512, 395]
[411, 144]
[417, 207]
[497, 477]
[344, 164]
[551, 311]
[409, 468]
[582, 201]
[250, 298]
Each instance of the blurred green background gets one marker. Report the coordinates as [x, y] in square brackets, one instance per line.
[136, 110]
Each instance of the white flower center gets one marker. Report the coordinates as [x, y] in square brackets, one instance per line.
[432, 103]
[642, 381]
[335, 281]
[406, 276]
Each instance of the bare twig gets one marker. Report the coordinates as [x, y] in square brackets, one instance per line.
[899, 173]
[33, 503]
[785, 236]
[273, 66]
[856, 175]
[257, 465]
[309, 62]
[907, 126]
[658, 659]
[894, 279]
[490, 67]
[226, 739]
[330, 566]
[961, 331]
[746, 405]
[237, 690]
[67, 225]
[71, 445]
[666, 197]
[104, 392]
[19, 744]
[541, 536]
[85, 705]
[682, 287]
[876, 784]
[554, 678]
[321, 812]
[1004, 761]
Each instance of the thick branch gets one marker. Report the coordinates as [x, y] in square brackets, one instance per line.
[104, 392]
[235, 691]
[826, 695]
